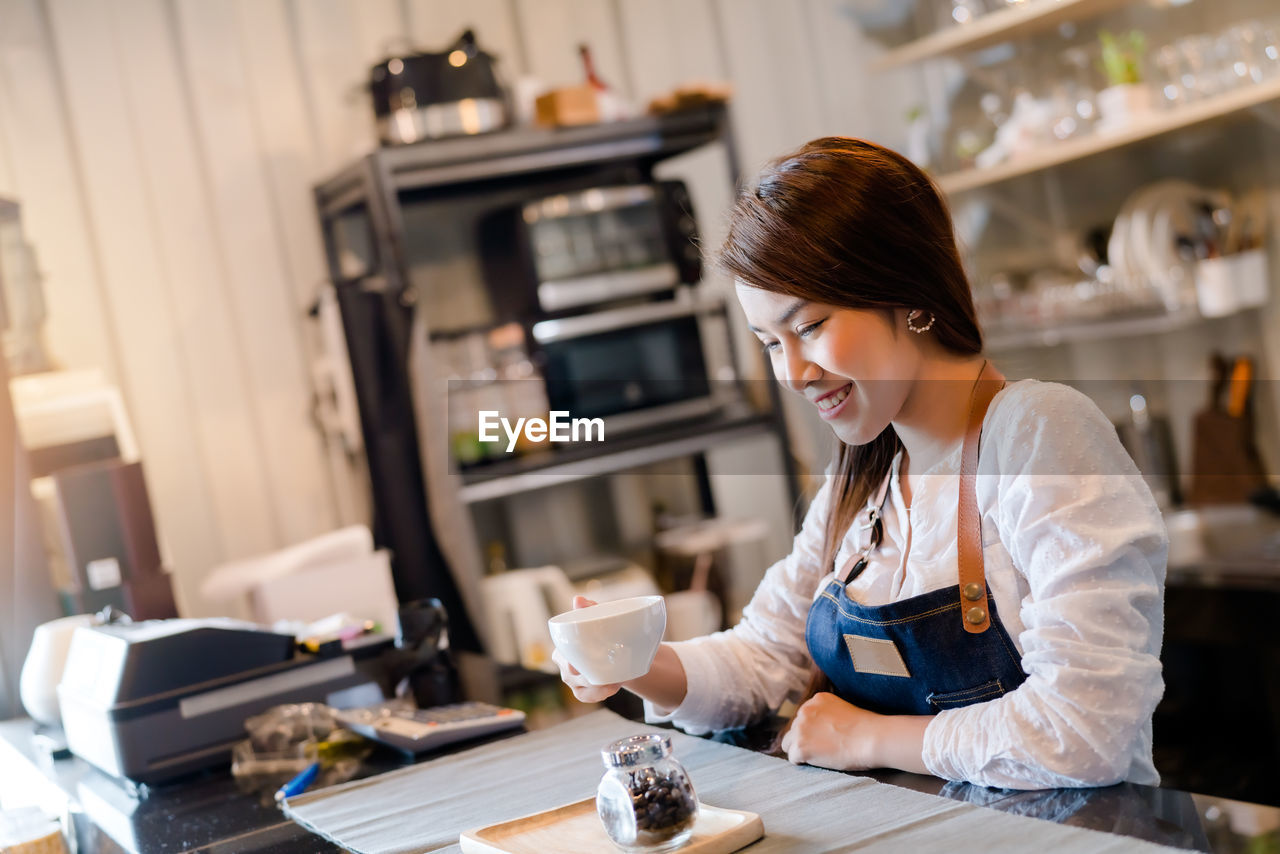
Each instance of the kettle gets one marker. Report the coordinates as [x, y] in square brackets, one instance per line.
[42, 670]
[454, 92]
[519, 603]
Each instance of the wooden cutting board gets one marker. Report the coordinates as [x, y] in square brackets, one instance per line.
[576, 829]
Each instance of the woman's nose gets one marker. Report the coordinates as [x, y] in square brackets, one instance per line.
[797, 371]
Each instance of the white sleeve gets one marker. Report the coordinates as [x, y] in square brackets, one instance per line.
[1080, 524]
[737, 676]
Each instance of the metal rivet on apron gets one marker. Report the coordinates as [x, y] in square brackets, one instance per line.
[976, 615]
[973, 591]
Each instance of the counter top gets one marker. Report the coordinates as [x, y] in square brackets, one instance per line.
[1238, 547]
[207, 813]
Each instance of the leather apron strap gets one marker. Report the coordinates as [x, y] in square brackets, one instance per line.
[975, 611]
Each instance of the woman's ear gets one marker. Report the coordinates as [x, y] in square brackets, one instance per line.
[897, 319]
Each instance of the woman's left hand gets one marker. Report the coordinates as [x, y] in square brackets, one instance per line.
[830, 733]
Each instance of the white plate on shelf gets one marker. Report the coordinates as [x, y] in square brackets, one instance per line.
[1142, 246]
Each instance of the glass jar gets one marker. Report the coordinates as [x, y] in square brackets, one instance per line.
[645, 799]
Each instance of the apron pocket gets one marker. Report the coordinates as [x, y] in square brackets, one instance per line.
[977, 694]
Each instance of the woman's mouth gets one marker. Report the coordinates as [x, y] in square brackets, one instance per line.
[831, 405]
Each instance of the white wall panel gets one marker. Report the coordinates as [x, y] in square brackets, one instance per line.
[769, 57]
[214, 371]
[552, 31]
[141, 308]
[46, 181]
[651, 54]
[292, 158]
[252, 247]
[668, 43]
[434, 24]
[853, 100]
[333, 71]
[8, 177]
[699, 38]
[378, 26]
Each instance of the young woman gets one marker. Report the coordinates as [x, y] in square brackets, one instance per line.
[977, 589]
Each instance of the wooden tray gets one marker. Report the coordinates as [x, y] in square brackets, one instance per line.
[576, 829]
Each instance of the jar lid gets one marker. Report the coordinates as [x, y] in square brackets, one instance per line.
[636, 750]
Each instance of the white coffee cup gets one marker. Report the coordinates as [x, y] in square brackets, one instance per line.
[613, 641]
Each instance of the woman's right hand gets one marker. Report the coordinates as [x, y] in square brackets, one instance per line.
[584, 691]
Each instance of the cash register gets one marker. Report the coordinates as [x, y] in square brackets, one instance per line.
[154, 700]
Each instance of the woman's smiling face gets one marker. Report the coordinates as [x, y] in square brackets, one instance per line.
[854, 365]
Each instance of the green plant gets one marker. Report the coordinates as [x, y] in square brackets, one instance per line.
[1122, 57]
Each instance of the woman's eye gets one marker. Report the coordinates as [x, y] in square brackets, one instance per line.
[769, 346]
[806, 331]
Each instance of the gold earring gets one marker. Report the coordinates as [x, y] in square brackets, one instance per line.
[911, 316]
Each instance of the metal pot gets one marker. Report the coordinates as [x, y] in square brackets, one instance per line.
[455, 92]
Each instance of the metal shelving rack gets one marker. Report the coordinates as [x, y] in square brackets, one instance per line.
[381, 328]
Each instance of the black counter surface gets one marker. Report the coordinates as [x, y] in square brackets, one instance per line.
[207, 812]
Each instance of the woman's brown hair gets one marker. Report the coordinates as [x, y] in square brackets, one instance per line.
[853, 224]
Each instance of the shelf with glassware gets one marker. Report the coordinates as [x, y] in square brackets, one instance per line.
[1105, 90]
[1150, 124]
[973, 27]
[1176, 254]
[1108, 91]
[999, 338]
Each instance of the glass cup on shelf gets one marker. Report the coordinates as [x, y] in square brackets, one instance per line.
[1171, 77]
[1250, 64]
[1270, 47]
[1075, 96]
[1229, 65]
[1232, 68]
[1200, 77]
[967, 11]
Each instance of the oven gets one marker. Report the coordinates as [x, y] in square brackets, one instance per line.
[578, 251]
[639, 365]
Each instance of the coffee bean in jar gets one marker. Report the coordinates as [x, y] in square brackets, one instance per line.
[645, 799]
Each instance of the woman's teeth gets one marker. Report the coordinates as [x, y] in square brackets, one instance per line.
[834, 400]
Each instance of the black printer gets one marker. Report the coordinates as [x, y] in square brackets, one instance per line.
[153, 700]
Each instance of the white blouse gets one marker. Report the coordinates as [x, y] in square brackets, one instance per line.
[1075, 552]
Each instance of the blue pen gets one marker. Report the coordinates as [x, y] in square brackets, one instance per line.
[298, 784]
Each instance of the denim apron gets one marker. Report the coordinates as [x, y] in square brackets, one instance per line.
[940, 650]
